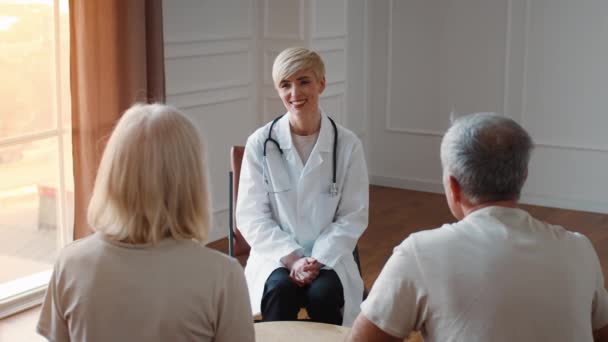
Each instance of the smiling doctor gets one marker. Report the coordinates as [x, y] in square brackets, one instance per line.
[303, 203]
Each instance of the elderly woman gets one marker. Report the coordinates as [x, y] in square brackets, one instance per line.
[145, 275]
[303, 203]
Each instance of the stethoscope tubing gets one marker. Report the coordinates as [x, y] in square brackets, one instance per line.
[335, 147]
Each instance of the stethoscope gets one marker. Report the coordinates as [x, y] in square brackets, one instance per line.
[333, 188]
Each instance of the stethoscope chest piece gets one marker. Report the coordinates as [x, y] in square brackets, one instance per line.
[333, 190]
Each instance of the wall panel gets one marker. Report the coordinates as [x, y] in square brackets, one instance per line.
[566, 78]
[209, 71]
[188, 20]
[539, 61]
[329, 18]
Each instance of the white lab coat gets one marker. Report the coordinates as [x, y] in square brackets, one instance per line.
[293, 210]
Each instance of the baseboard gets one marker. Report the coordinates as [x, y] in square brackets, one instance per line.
[533, 199]
[219, 225]
[408, 183]
[565, 203]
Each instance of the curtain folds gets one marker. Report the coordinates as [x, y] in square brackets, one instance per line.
[116, 59]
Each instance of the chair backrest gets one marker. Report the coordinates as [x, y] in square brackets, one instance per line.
[239, 245]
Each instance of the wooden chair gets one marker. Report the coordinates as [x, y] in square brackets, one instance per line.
[237, 246]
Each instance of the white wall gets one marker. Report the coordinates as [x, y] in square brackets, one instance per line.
[210, 63]
[395, 70]
[218, 62]
[542, 62]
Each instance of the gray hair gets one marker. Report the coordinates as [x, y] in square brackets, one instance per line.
[488, 155]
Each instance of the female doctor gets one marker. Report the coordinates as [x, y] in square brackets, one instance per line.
[303, 203]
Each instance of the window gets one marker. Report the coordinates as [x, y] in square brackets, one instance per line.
[36, 183]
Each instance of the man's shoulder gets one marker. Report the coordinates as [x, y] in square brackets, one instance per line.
[559, 232]
[426, 238]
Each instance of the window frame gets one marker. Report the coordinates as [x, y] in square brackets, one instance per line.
[26, 292]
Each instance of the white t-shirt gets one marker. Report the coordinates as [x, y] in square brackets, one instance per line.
[103, 290]
[497, 275]
[304, 145]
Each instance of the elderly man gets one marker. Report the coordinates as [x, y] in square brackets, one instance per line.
[496, 275]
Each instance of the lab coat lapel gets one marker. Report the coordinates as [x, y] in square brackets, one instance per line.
[283, 133]
[322, 147]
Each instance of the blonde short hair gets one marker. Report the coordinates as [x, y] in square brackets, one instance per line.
[294, 59]
[151, 183]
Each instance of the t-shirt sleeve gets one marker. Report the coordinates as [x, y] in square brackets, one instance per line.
[52, 323]
[235, 322]
[599, 313]
[397, 303]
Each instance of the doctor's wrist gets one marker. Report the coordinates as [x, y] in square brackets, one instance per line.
[289, 260]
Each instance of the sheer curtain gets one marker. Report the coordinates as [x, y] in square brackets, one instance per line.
[116, 59]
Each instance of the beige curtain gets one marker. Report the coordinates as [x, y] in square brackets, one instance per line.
[116, 59]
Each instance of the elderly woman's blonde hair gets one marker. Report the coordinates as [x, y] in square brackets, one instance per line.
[294, 59]
[151, 183]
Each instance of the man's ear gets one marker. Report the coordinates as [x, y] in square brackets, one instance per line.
[455, 190]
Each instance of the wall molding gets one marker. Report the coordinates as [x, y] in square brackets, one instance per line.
[217, 45]
[322, 35]
[228, 92]
[331, 49]
[524, 78]
[329, 36]
[334, 93]
[541, 143]
[219, 227]
[565, 203]
[329, 44]
[268, 59]
[270, 35]
[421, 132]
[586, 148]
[508, 43]
[336, 87]
[341, 79]
[526, 198]
[270, 92]
[267, 114]
[215, 101]
[210, 87]
[341, 116]
[334, 82]
[388, 125]
[409, 183]
[207, 39]
[206, 52]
